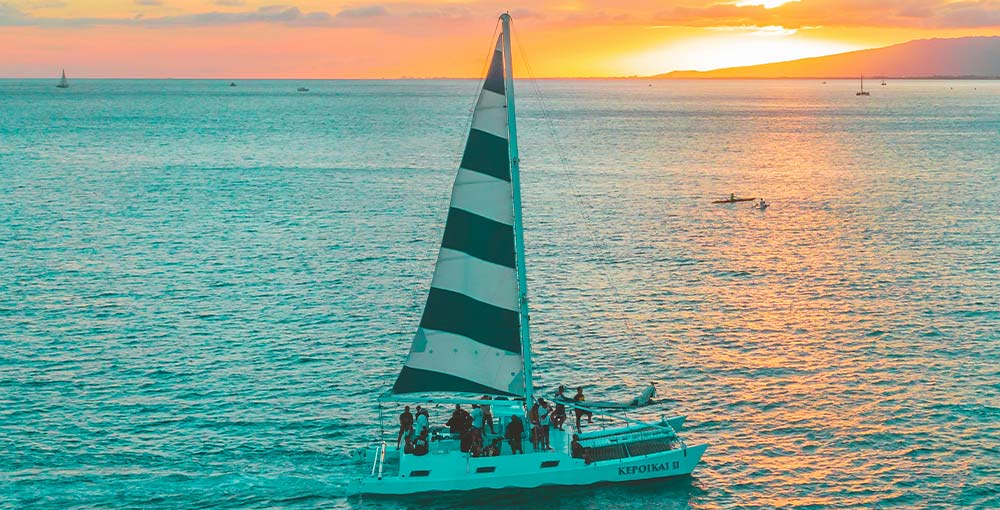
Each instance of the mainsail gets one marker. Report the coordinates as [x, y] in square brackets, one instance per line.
[469, 338]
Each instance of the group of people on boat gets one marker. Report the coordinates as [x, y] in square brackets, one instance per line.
[415, 430]
[477, 433]
[580, 413]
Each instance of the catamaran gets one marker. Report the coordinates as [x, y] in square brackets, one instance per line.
[63, 83]
[473, 342]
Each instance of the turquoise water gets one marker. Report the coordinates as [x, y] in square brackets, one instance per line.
[203, 288]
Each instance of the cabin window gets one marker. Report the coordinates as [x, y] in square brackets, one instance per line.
[486, 469]
[550, 463]
[420, 472]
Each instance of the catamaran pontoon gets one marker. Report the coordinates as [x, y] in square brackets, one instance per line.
[473, 340]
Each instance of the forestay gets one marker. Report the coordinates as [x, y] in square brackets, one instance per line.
[469, 337]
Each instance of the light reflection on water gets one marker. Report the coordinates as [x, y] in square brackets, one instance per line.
[206, 287]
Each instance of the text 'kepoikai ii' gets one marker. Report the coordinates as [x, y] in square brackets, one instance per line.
[473, 346]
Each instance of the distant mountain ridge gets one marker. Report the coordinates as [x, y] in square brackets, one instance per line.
[963, 57]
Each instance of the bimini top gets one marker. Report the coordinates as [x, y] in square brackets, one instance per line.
[469, 339]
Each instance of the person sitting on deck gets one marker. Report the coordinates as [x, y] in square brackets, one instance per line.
[408, 440]
[577, 451]
[405, 424]
[420, 446]
[514, 432]
[493, 449]
[581, 412]
[559, 416]
[459, 421]
[475, 443]
[732, 197]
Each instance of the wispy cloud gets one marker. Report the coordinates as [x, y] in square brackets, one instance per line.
[278, 14]
[367, 11]
[153, 3]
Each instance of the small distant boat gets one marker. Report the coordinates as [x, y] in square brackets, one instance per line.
[883, 83]
[761, 205]
[862, 92]
[302, 89]
[733, 199]
[232, 84]
[63, 83]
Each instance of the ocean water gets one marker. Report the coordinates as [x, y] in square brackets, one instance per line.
[203, 288]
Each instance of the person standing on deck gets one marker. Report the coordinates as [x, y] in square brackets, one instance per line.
[535, 427]
[405, 424]
[477, 418]
[514, 432]
[581, 412]
[459, 421]
[560, 394]
[487, 416]
[543, 425]
[422, 422]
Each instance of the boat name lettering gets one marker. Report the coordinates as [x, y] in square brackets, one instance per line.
[645, 468]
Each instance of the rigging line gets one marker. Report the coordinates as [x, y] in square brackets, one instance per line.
[576, 194]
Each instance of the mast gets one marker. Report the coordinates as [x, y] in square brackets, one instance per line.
[515, 181]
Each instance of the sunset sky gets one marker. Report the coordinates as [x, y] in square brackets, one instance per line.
[431, 38]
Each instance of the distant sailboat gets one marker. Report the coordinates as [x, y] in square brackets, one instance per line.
[63, 83]
[862, 92]
[883, 83]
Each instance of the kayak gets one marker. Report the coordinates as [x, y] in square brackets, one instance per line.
[733, 201]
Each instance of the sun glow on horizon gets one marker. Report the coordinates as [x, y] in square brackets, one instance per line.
[444, 38]
[729, 50]
[767, 4]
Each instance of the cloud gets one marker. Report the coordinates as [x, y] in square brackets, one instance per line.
[844, 13]
[47, 4]
[276, 14]
[368, 11]
[790, 15]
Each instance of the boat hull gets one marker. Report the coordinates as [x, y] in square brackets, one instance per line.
[727, 201]
[524, 471]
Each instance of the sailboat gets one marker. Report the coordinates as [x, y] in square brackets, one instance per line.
[473, 347]
[63, 83]
[862, 92]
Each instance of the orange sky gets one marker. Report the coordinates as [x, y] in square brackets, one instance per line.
[429, 38]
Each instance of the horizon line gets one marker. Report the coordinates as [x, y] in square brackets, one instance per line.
[444, 78]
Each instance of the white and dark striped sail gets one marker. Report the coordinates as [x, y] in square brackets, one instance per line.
[469, 339]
